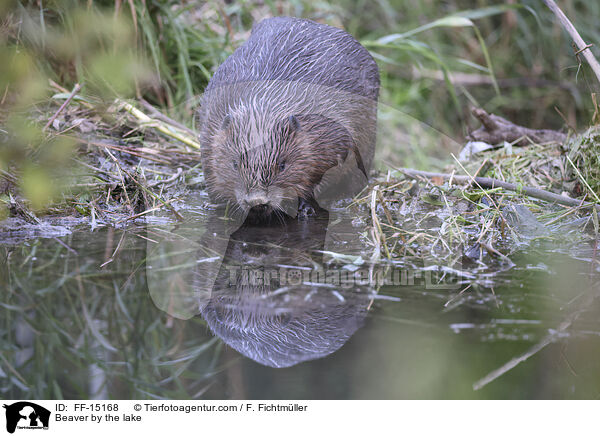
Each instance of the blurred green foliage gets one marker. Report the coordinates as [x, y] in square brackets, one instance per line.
[68, 43]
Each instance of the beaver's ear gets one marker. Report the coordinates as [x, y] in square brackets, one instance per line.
[226, 122]
[293, 123]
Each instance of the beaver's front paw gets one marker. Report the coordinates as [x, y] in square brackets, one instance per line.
[305, 209]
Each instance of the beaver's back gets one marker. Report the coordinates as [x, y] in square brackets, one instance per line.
[293, 49]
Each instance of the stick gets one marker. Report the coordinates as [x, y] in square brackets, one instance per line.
[169, 180]
[468, 79]
[489, 183]
[137, 215]
[495, 130]
[146, 190]
[76, 89]
[547, 340]
[145, 119]
[160, 116]
[581, 45]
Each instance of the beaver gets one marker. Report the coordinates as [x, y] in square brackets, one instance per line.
[289, 117]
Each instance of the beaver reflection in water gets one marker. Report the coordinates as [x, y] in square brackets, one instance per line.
[295, 101]
[278, 320]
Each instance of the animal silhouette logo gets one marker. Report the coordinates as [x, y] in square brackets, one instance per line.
[26, 415]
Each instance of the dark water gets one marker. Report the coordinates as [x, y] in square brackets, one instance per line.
[203, 309]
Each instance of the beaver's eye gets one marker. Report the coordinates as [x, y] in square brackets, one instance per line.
[235, 165]
[282, 166]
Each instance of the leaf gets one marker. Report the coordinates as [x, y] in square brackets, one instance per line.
[429, 199]
[449, 21]
[458, 19]
[474, 65]
[65, 95]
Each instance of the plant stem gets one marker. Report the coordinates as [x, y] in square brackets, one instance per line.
[581, 45]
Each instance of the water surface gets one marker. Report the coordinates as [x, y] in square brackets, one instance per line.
[204, 309]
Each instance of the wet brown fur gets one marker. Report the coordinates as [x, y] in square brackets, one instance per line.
[272, 129]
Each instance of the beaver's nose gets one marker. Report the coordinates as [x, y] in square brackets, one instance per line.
[257, 199]
[261, 208]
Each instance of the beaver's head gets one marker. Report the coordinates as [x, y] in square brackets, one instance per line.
[265, 162]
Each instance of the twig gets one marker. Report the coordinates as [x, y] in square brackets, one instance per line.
[492, 250]
[13, 370]
[145, 119]
[145, 189]
[473, 180]
[111, 258]
[160, 116]
[121, 170]
[76, 89]
[489, 183]
[547, 340]
[137, 215]
[135, 152]
[8, 176]
[567, 213]
[64, 91]
[57, 86]
[169, 180]
[581, 45]
[4, 95]
[496, 130]
[513, 362]
[65, 245]
[583, 179]
[376, 230]
[468, 79]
